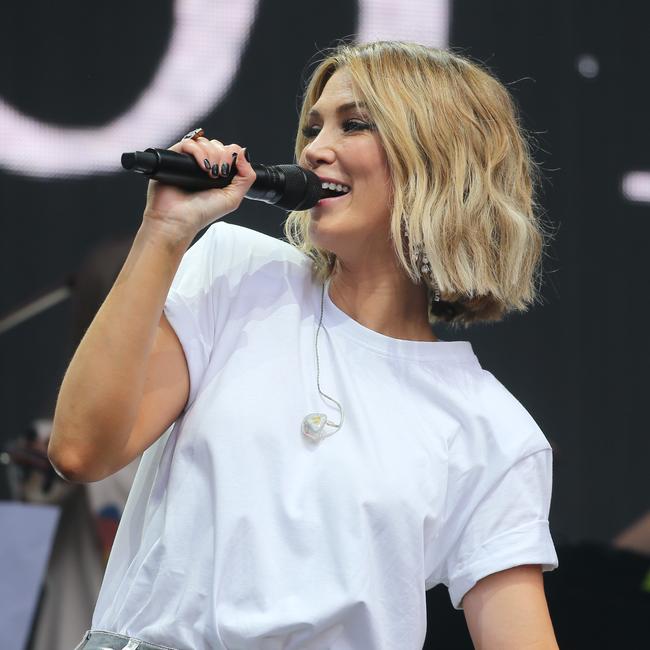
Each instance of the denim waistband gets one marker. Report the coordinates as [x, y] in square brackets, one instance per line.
[101, 640]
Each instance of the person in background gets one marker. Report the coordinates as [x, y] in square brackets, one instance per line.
[90, 513]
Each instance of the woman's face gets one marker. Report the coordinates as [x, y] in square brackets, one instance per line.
[344, 147]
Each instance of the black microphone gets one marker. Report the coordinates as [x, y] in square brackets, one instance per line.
[290, 187]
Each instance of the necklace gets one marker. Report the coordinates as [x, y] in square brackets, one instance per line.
[313, 425]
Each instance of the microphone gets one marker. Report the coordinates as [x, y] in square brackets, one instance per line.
[289, 187]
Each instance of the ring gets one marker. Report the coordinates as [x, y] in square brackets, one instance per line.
[194, 135]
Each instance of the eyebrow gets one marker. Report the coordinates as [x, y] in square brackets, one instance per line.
[340, 109]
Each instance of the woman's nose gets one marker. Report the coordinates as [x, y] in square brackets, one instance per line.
[318, 153]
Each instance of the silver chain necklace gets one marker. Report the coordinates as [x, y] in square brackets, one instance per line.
[313, 425]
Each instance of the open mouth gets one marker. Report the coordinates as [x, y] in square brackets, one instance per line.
[333, 191]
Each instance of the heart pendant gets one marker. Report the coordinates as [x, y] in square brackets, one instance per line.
[313, 425]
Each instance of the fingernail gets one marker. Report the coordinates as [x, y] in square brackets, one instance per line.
[246, 154]
[206, 162]
[225, 168]
[215, 169]
[234, 159]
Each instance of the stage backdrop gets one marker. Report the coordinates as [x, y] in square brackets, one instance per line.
[81, 82]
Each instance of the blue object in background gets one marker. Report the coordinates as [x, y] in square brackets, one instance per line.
[25, 545]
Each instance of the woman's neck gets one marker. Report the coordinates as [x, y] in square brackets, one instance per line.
[385, 301]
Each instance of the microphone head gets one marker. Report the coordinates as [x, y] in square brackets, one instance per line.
[302, 188]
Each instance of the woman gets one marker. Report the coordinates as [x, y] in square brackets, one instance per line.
[330, 458]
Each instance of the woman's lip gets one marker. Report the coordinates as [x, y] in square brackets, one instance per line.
[330, 199]
[324, 179]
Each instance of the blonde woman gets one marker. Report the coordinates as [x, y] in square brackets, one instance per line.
[330, 459]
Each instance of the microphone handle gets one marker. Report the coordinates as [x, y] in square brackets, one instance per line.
[171, 168]
[182, 170]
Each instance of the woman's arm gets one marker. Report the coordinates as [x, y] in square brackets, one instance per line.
[508, 611]
[128, 380]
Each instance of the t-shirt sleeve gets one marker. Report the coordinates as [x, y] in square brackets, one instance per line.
[499, 487]
[192, 303]
[508, 527]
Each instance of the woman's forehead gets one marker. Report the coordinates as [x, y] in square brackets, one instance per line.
[338, 93]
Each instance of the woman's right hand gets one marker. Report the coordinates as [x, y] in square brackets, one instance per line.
[183, 214]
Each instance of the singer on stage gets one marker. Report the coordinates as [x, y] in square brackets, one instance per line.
[315, 458]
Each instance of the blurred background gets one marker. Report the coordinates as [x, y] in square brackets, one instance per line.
[81, 82]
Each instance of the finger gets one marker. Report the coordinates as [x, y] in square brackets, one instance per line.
[243, 164]
[221, 157]
[237, 169]
[210, 159]
[199, 150]
[242, 176]
[212, 156]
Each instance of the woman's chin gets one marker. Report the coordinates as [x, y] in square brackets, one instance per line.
[325, 228]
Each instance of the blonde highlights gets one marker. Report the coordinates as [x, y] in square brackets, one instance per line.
[461, 171]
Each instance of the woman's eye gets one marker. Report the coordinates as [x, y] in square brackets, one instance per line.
[309, 132]
[349, 125]
[356, 125]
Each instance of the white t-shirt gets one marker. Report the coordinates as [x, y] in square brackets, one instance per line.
[241, 533]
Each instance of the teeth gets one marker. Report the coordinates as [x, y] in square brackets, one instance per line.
[338, 187]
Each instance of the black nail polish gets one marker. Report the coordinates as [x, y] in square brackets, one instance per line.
[225, 168]
[215, 169]
[207, 164]
[246, 154]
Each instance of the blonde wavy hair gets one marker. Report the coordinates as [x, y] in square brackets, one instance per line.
[462, 177]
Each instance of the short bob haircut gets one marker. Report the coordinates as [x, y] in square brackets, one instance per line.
[463, 179]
